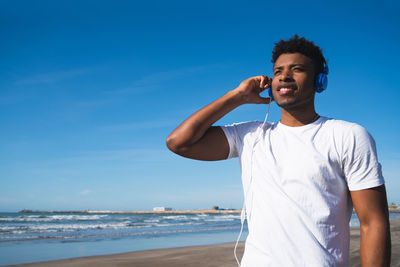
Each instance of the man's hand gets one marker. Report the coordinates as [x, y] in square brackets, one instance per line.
[251, 88]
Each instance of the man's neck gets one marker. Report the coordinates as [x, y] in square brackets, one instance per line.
[296, 118]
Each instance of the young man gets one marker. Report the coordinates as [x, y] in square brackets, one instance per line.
[301, 175]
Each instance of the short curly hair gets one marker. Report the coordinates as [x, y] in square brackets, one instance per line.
[302, 46]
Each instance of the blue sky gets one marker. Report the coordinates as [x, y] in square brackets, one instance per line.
[89, 90]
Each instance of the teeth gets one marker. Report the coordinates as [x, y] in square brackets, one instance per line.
[285, 89]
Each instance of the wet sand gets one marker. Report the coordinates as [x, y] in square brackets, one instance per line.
[213, 255]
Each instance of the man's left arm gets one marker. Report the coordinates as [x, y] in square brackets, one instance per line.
[372, 210]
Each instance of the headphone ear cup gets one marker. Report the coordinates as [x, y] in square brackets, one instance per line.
[270, 93]
[321, 82]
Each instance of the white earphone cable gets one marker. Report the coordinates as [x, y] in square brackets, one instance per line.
[244, 210]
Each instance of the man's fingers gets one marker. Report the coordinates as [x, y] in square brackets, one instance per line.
[268, 82]
[265, 82]
[256, 85]
[262, 81]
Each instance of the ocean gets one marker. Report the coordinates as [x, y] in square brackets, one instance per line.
[33, 237]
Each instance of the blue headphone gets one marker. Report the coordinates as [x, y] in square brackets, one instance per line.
[321, 81]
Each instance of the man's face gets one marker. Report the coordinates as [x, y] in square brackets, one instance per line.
[293, 81]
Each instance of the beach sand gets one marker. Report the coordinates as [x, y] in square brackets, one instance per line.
[212, 255]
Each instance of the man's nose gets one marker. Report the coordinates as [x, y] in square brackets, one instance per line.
[286, 76]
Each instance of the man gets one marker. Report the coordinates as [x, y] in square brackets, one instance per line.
[301, 175]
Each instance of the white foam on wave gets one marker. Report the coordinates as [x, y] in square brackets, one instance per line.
[152, 220]
[78, 217]
[10, 229]
[223, 218]
[175, 217]
[43, 228]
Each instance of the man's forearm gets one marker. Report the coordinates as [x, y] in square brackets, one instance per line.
[375, 248]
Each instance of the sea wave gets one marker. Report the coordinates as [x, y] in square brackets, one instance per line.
[224, 218]
[65, 226]
[78, 237]
[60, 227]
[50, 218]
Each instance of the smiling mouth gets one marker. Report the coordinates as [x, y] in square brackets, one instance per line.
[286, 88]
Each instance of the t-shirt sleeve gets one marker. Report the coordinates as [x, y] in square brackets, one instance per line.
[235, 134]
[360, 161]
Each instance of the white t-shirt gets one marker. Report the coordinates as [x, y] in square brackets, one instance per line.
[296, 184]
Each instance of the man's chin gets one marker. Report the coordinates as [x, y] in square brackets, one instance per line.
[287, 105]
[295, 103]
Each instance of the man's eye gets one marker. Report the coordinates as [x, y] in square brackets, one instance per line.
[277, 72]
[298, 69]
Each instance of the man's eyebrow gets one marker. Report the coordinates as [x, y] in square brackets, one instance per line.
[291, 66]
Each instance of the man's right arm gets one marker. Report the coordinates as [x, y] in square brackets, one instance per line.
[196, 138]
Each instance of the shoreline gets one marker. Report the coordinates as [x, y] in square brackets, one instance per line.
[220, 255]
[199, 211]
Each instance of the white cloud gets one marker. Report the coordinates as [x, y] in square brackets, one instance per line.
[51, 77]
[85, 192]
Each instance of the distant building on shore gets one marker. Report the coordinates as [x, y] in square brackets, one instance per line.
[161, 209]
